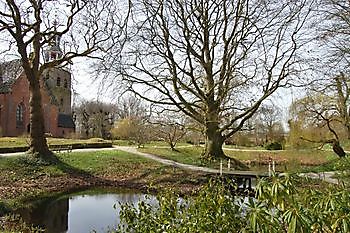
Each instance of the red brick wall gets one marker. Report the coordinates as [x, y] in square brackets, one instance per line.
[20, 93]
[10, 101]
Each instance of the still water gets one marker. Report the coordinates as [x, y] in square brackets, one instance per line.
[80, 213]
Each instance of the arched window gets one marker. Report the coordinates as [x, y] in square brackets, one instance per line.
[20, 115]
[65, 83]
[58, 81]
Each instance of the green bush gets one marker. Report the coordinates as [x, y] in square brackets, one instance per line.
[278, 207]
[274, 146]
[4, 209]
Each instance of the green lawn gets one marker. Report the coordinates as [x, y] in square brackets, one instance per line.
[6, 142]
[292, 160]
[148, 144]
[305, 157]
[188, 155]
[96, 163]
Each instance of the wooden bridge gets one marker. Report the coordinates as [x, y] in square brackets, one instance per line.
[243, 179]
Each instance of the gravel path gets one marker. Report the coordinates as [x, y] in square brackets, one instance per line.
[133, 150]
[325, 176]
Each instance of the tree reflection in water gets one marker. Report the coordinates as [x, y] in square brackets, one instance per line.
[79, 213]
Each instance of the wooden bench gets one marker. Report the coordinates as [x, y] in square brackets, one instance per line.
[61, 148]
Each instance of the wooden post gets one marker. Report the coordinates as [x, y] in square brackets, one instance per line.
[220, 167]
[273, 166]
[229, 164]
[269, 168]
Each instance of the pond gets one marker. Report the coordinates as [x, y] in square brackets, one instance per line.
[80, 212]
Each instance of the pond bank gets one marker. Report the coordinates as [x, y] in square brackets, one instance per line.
[22, 180]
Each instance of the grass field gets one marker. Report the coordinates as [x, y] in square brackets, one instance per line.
[291, 160]
[24, 141]
[286, 159]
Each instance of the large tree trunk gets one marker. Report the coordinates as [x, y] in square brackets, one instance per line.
[38, 143]
[213, 145]
[213, 142]
[213, 137]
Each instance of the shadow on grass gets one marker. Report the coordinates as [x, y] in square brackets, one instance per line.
[76, 177]
[71, 178]
[172, 176]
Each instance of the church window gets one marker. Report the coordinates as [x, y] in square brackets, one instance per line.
[19, 115]
[58, 81]
[65, 83]
[61, 102]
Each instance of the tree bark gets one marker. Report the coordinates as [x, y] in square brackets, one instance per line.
[38, 144]
[337, 148]
[213, 146]
[213, 142]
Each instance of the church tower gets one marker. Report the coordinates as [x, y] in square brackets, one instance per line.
[58, 80]
[58, 83]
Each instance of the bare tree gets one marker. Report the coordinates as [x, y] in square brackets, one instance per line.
[318, 110]
[216, 61]
[129, 106]
[170, 127]
[133, 129]
[29, 27]
[267, 123]
[337, 92]
[94, 118]
[341, 99]
[334, 33]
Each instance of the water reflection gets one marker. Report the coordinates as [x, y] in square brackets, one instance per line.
[79, 213]
[50, 215]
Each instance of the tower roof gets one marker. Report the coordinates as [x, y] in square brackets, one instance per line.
[53, 51]
[65, 121]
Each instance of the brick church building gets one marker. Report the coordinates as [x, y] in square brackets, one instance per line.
[56, 98]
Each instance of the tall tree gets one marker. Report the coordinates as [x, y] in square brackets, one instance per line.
[94, 118]
[170, 127]
[342, 100]
[336, 90]
[334, 33]
[331, 67]
[267, 123]
[216, 61]
[29, 26]
[131, 107]
[318, 110]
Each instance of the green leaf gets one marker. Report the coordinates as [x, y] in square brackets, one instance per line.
[345, 225]
[292, 225]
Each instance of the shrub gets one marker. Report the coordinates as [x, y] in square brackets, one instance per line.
[279, 206]
[274, 146]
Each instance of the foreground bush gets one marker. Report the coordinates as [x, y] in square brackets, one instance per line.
[278, 207]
